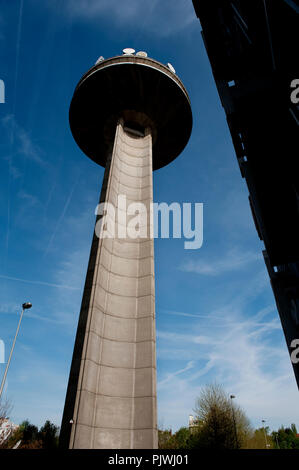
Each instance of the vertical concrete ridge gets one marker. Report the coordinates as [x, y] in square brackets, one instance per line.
[111, 395]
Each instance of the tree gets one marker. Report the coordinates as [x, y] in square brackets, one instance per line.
[29, 432]
[178, 440]
[5, 409]
[165, 439]
[286, 438]
[48, 434]
[32, 438]
[182, 437]
[257, 439]
[223, 424]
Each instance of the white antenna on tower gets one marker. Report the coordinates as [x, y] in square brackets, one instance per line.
[171, 67]
[128, 51]
[100, 59]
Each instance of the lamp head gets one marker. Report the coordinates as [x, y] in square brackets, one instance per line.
[26, 305]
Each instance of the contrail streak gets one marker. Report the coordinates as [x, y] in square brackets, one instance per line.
[62, 216]
[58, 286]
[13, 121]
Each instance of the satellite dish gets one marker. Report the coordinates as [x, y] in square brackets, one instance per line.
[171, 67]
[99, 59]
[141, 54]
[128, 51]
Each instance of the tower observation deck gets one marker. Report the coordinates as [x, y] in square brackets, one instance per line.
[130, 114]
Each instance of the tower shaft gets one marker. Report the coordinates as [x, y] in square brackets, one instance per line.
[111, 396]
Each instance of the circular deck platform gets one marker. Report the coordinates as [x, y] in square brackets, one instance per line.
[140, 90]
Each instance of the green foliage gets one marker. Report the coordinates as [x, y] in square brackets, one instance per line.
[182, 437]
[165, 439]
[48, 434]
[30, 432]
[32, 438]
[286, 438]
[179, 440]
[223, 424]
[220, 425]
[257, 440]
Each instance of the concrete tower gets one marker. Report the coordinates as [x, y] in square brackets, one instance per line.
[130, 114]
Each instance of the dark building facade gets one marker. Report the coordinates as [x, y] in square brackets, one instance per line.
[252, 47]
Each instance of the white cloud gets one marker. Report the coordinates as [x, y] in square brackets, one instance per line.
[161, 18]
[71, 269]
[234, 260]
[15, 172]
[218, 315]
[246, 354]
[9, 307]
[25, 144]
[40, 283]
[28, 198]
[171, 375]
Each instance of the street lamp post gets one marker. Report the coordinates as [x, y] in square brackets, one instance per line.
[263, 421]
[25, 306]
[234, 420]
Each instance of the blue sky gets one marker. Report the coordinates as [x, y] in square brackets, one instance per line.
[216, 315]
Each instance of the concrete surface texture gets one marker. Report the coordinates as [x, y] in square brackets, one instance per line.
[115, 391]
